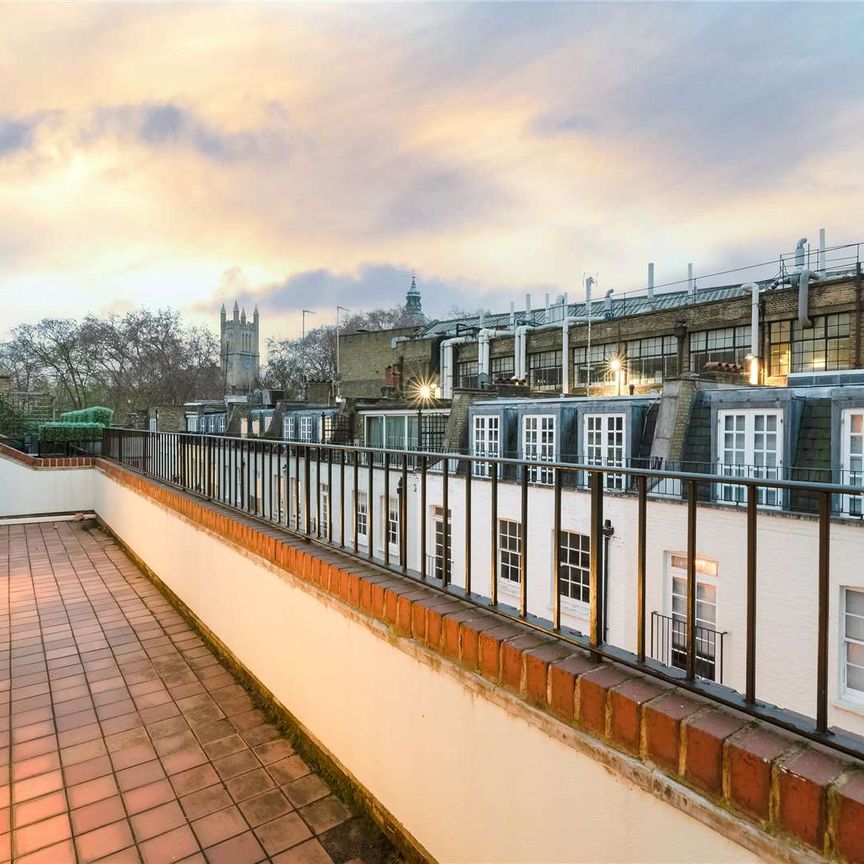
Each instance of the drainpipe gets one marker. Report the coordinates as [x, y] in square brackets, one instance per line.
[483, 353]
[820, 259]
[446, 364]
[607, 304]
[589, 284]
[858, 315]
[565, 355]
[753, 287]
[804, 278]
[799, 253]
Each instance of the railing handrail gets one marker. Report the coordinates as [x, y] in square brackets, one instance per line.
[581, 467]
[187, 461]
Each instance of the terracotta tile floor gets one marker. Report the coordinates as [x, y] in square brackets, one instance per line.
[122, 737]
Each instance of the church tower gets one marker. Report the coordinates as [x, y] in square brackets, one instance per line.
[241, 358]
[413, 306]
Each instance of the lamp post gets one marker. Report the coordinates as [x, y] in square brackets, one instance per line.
[303, 330]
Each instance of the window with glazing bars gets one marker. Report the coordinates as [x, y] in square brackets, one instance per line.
[466, 373]
[604, 445]
[509, 551]
[575, 566]
[544, 370]
[288, 428]
[485, 442]
[306, 428]
[393, 522]
[597, 363]
[502, 368]
[706, 615]
[853, 644]
[538, 445]
[362, 516]
[823, 347]
[649, 361]
[749, 444]
[438, 563]
[727, 345]
[324, 492]
[852, 431]
[779, 347]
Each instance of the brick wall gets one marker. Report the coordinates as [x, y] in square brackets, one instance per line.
[364, 357]
[781, 304]
[789, 796]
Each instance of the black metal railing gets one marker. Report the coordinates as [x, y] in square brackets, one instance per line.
[283, 484]
[669, 646]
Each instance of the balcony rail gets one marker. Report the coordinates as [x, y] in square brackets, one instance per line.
[282, 484]
[669, 646]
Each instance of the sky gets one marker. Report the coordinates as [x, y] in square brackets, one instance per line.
[304, 156]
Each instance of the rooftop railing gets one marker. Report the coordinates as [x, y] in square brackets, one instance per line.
[329, 495]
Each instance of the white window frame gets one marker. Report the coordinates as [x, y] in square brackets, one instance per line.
[509, 555]
[324, 493]
[437, 543]
[707, 573]
[191, 422]
[852, 458]
[306, 428]
[573, 604]
[362, 509]
[485, 441]
[605, 444]
[731, 493]
[847, 693]
[289, 427]
[539, 442]
[390, 519]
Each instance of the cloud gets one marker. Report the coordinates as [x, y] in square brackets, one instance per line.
[19, 134]
[167, 125]
[368, 287]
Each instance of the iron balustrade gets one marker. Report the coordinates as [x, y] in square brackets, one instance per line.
[669, 646]
[231, 472]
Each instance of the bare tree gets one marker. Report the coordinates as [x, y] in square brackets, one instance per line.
[141, 358]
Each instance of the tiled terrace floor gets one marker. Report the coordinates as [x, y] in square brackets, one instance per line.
[123, 737]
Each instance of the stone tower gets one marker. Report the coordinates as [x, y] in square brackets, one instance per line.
[413, 306]
[241, 359]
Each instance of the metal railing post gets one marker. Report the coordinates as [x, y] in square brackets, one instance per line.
[596, 561]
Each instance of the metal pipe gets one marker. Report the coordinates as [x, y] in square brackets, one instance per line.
[820, 260]
[651, 280]
[691, 284]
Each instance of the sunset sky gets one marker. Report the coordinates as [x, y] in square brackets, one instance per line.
[309, 155]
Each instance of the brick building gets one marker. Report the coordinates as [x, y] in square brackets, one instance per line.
[807, 321]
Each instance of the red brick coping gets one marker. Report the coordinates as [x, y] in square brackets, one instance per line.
[48, 462]
[777, 782]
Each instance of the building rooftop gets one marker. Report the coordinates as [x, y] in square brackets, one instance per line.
[129, 739]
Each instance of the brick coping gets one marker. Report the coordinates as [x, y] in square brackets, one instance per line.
[48, 462]
[773, 792]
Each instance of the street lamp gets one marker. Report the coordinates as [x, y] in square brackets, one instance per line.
[303, 326]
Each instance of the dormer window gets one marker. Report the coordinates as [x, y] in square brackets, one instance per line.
[538, 445]
[750, 444]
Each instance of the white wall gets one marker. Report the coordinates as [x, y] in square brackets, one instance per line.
[471, 780]
[786, 567]
[25, 491]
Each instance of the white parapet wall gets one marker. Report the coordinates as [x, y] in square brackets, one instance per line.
[27, 491]
[464, 770]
